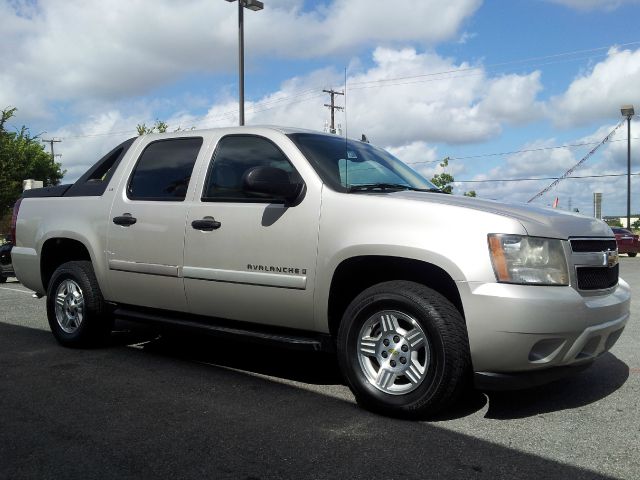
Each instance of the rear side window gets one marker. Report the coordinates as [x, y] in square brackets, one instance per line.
[164, 170]
[94, 182]
[234, 156]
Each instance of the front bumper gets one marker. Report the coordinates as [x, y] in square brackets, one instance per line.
[517, 328]
[522, 380]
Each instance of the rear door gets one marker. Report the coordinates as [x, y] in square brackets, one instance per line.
[147, 223]
[258, 263]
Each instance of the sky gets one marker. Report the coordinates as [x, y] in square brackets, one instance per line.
[506, 89]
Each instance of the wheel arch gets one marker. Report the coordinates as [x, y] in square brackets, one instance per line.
[58, 250]
[355, 274]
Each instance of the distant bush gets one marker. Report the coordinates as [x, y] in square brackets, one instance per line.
[614, 222]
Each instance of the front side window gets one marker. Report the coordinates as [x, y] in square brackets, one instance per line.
[164, 170]
[233, 158]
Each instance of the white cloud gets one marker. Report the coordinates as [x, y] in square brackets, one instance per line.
[589, 5]
[83, 145]
[600, 92]
[513, 98]
[451, 108]
[408, 117]
[66, 51]
[610, 159]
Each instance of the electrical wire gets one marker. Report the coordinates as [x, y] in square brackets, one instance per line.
[544, 178]
[572, 169]
[514, 152]
[299, 94]
[494, 65]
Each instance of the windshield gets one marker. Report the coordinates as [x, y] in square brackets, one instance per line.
[348, 165]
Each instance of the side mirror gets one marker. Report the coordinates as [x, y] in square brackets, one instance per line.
[274, 182]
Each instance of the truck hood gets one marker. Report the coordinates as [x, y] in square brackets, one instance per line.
[537, 221]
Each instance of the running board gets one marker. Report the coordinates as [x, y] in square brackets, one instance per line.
[221, 328]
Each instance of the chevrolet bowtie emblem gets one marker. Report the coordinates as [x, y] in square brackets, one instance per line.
[610, 259]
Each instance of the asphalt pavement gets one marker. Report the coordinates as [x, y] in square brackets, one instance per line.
[194, 407]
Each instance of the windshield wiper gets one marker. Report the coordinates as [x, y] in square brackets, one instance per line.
[389, 186]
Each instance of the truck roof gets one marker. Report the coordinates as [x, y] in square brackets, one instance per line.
[244, 129]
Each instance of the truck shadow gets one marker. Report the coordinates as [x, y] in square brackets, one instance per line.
[301, 366]
[606, 376]
[142, 413]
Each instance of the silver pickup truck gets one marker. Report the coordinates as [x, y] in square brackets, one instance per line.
[314, 241]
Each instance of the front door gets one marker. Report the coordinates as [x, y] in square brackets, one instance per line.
[255, 260]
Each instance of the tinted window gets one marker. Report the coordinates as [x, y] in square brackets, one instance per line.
[236, 155]
[164, 170]
[94, 181]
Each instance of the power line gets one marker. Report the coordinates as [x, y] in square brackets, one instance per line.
[525, 150]
[311, 92]
[572, 169]
[392, 82]
[255, 108]
[494, 65]
[495, 180]
[289, 99]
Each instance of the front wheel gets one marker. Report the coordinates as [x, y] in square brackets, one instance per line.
[3, 279]
[76, 311]
[403, 349]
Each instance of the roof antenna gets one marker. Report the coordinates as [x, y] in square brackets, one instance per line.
[346, 147]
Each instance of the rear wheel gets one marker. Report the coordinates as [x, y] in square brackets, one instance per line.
[3, 279]
[403, 349]
[632, 254]
[76, 311]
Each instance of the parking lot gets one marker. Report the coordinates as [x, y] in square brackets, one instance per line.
[192, 407]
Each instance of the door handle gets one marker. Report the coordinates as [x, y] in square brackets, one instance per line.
[207, 224]
[125, 220]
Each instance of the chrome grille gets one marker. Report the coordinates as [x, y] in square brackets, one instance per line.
[591, 259]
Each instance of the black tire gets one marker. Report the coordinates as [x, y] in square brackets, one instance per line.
[632, 254]
[3, 279]
[96, 322]
[446, 372]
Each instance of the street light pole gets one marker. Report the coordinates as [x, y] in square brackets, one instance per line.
[241, 60]
[628, 111]
[254, 5]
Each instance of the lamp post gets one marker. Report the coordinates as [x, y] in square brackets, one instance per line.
[627, 111]
[254, 5]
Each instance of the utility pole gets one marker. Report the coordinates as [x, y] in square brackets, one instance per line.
[628, 111]
[51, 142]
[333, 107]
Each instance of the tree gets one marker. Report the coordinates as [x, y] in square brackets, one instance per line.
[613, 222]
[444, 181]
[22, 156]
[158, 127]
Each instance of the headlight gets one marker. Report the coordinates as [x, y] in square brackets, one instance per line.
[528, 260]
